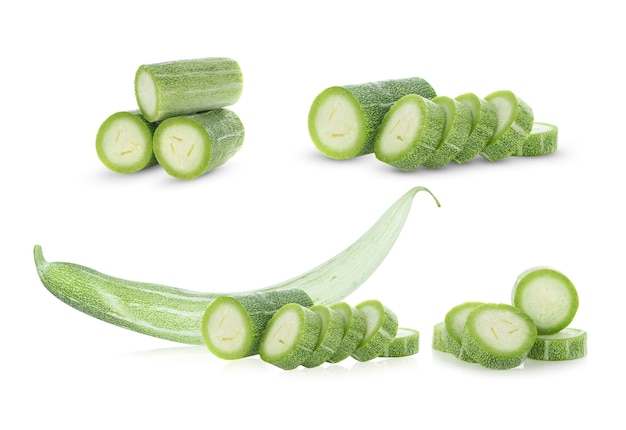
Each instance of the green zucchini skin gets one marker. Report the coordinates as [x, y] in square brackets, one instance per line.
[176, 314]
[174, 88]
[372, 101]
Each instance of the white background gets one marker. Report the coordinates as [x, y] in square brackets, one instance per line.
[279, 208]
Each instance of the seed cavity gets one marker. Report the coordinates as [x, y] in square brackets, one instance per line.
[117, 137]
[125, 152]
[338, 134]
[494, 333]
[394, 127]
[177, 138]
[190, 150]
[400, 138]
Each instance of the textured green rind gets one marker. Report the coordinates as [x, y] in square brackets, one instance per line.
[354, 330]
[456, 317]
[145, 127]
[374, 99]
[176, 314]
[554, 298]
[543, 140]
[508, 141]
[257, 308]
[330, 337]
[483, 126]
[568, 344]
[382, 335]
[427, 138]
[455, 134]
[443, 342]
[406, 343]
[311, 325]
[482, 350]
[190, 86]
[223, 134]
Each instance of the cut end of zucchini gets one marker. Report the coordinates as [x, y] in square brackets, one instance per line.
[336, 124]
[226, 329]
[456, 318]
[182, 147]
[124, 143]
[381, 326]
[290, 336]
[548, 297]
[405, 343]
[498, 336]
[146, 94]
[543, 140]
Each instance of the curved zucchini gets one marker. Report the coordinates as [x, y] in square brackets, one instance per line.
[176, 314]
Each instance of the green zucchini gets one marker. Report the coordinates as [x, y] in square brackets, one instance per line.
[343, 120]
[381, 326]
[290, 336]
[176, 314]
[442, 341]
[483, 126]
[498, 336]
[354, 330]
[410, 132]
[232, 326]
[458, 125]
[330, 336]
[543, 140]
[568, 344]
[124, 142]
[514, 120]
[192, 145]
[547, 296]
[175, 88]
[406, 342]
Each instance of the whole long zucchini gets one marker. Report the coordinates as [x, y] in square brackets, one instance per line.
[176, 314]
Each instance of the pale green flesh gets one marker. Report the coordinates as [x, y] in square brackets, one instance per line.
[400, 130]
[498, 336]
[337, 124]
[381, 328]
[457, 316]
[228, 331]
[282, 335]
[183, 147]
[548, 297]
[176, 314]
[124, 143]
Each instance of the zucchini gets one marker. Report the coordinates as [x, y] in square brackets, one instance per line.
[498, 336]
[381, 326]
[483, 126]
[568, 344]
[354, 330]
[176, 314]
[290, 336]
[174, 88]
[406, 342]
[547, 296]
[458, 125]
[543, 140]
[330, 336]
[514, 120]
[124, 142]
[192, 145]
[343, 120]
[410, 132]
[232, 326]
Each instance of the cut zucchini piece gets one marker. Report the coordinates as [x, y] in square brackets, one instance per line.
[543, 140]
[514, 120]
[455, 134]
[443, 342]
[354, 331]
[190, 146]
[381, 326]
[498, 336]
[483, 126]
[124, 142]
[330, 336]
[410, 132]
[232, 326]
[547, 296]
[568, 344]
[457, 316]
[343, 120]
[406, 343]
[290, 336]
[175, 88]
